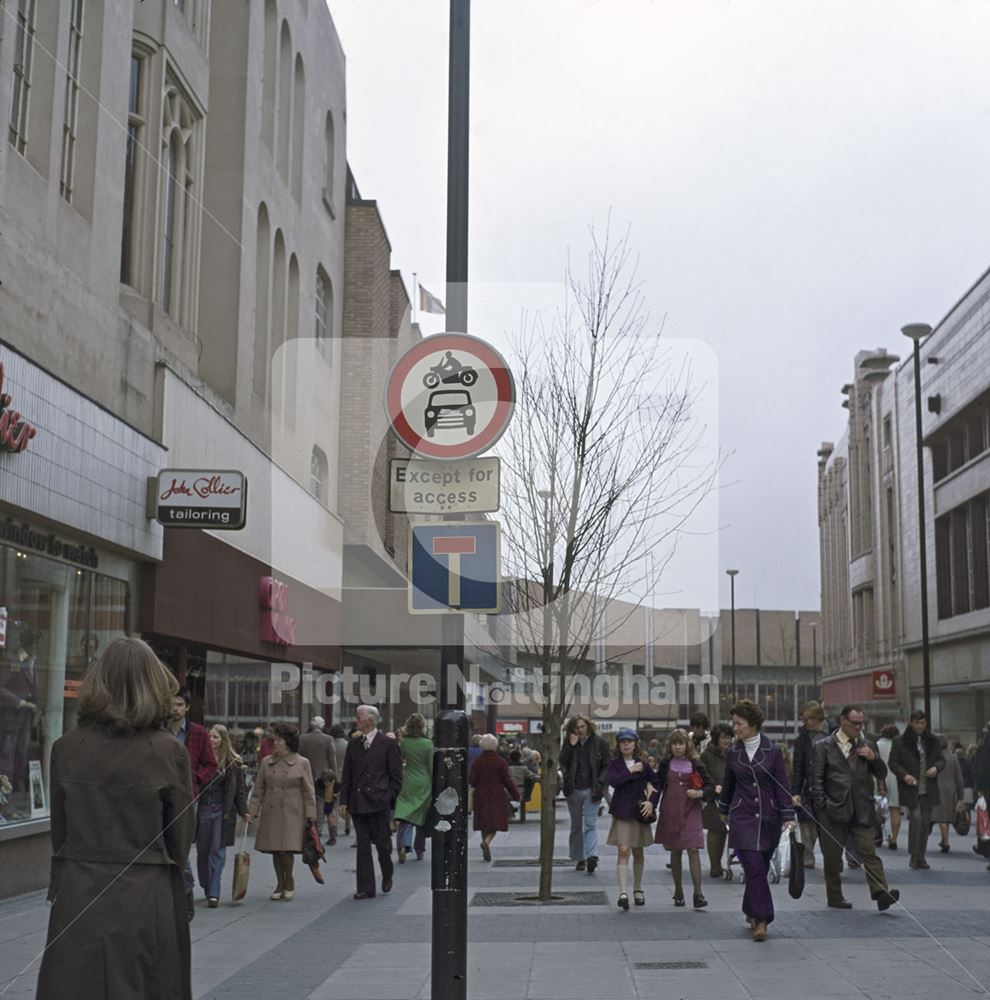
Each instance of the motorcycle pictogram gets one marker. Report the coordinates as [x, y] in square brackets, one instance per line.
[449, 370]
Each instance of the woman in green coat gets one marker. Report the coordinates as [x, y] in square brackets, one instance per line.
[414, 799]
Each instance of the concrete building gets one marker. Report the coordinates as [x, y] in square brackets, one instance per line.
[170, 296]
[870, 537]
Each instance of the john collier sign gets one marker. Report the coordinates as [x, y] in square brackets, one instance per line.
[201, 498]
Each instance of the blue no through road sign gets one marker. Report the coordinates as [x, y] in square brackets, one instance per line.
[455, 566]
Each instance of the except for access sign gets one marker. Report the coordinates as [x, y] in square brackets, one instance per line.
[201, 498]
[455, 567]
[450, 396]
[469, 486]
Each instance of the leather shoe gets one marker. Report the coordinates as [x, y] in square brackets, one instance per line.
[887, 899]
[386, 885]
[579, 867]
[840, 904]
[364, 895]
[592, 864]
[922, 863]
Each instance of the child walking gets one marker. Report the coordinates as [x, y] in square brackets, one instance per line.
[634, 782]
[682, 784]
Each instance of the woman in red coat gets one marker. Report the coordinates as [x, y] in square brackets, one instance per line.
[490, 780]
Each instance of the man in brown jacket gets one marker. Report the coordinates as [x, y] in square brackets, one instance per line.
[318, 748]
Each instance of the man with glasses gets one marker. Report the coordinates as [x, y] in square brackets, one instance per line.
[844, 767]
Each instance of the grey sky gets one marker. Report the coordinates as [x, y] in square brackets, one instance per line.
[801, 179]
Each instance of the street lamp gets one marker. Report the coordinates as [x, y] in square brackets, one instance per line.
[918, 332]
[731, 573]
[814, 659]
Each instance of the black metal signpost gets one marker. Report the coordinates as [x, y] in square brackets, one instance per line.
[450, 836]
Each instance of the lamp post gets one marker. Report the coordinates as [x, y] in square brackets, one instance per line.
[814, 659]
[918, 332]
[731, 573]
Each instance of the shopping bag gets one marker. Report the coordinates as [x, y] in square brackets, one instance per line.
[982, 819]
[242, 869]
[795, 882]
[784, 856]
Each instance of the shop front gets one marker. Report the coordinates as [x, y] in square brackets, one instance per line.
[73, 539]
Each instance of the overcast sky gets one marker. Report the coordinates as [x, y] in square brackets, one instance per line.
[801, 179]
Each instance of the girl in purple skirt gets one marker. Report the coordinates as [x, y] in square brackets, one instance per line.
[683, 784]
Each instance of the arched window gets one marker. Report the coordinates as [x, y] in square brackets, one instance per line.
[284, 100]
[270, 72]
[178, 206]
[298, 128]
[319, 475]
[324, 309]
[330, 154]
[262, 281]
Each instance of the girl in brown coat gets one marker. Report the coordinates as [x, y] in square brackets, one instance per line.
[490, 780]
[285, 797]
[121, 826]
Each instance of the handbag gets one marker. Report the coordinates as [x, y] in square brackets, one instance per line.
[961, 823]
[696, 782]
[313, 851]
[645, 820]
[242, 869]
[795, 881]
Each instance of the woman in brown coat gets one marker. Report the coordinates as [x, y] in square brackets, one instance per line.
[285, 798]
[490, 780]
[121, 827]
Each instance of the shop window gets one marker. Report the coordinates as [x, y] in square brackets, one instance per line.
[55, 619]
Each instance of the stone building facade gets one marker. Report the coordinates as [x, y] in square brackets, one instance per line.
[871, 541]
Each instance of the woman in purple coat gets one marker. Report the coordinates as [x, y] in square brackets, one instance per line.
[634, 781]
[489, 777]
[756, 805]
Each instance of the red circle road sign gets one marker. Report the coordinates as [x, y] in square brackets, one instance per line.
[450, 396]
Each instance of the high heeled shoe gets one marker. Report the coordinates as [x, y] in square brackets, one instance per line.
[699, 901]
[678, 899]
[623, 901]
[639, 897]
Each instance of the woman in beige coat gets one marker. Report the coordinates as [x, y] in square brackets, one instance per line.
[285, 798]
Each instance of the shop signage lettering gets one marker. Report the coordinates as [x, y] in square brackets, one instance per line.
[276, 624]
[197, 498]
[14, 432]
[26, 537]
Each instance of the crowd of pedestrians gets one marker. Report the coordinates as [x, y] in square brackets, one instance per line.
[136, 782]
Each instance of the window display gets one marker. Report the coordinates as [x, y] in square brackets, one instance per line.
[54, 620]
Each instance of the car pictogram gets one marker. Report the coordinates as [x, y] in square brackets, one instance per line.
[448, 408]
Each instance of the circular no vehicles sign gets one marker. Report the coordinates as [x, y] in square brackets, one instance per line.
[450, 396]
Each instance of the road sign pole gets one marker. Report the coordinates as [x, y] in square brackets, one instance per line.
[449, 964]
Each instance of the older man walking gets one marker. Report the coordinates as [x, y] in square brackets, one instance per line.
[843, 769]
[369, 785]
[319, 749]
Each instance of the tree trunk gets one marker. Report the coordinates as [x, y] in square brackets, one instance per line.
[548, 817]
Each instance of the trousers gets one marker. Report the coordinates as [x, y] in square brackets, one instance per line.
[372, 828]
[211, 855]
[757, 901]
[919, 826]
[834, 837]
[583, 841]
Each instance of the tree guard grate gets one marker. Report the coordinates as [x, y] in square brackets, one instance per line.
[531, 899]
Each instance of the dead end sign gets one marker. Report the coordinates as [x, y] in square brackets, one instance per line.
[450, 396]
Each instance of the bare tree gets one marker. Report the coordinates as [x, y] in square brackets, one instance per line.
[604, 467]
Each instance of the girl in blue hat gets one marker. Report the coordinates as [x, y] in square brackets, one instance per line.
[634, 781]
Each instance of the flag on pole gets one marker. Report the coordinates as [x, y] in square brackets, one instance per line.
[429, 303]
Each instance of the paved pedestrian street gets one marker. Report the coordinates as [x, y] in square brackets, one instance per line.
[325, 946]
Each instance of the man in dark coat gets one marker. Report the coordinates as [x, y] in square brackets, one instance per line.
[916, 759]
[813, 730]
[319, 749]
[19, 713]
[584, 763]
[370, 783]
[843, 770]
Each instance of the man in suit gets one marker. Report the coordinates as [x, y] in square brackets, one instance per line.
[318, 748]
[369, 785]
[842, 773]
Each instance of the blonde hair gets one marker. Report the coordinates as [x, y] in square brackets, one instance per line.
[415, 726]
[679, 736]
[127, 690]
[226, 754]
